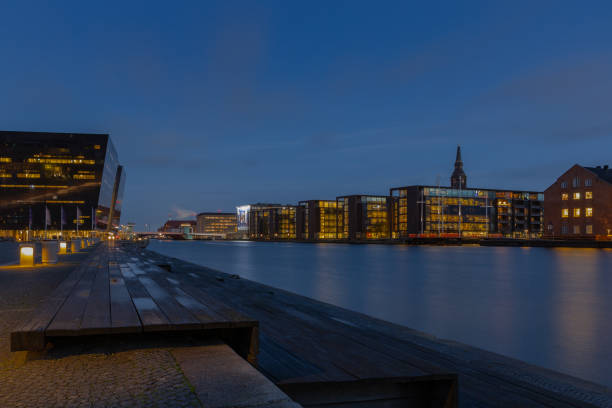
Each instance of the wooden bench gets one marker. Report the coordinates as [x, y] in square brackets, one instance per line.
[111, 293]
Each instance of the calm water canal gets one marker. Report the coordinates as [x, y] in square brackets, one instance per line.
[550, 307]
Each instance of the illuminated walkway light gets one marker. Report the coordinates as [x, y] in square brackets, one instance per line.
[26, 255]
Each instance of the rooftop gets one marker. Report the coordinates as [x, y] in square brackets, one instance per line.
[603, 172]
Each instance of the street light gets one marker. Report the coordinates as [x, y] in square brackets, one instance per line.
[26, 255]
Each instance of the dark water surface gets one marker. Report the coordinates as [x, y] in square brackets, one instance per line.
[549, 307]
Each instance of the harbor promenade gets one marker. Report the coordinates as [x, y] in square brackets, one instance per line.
[308, 351]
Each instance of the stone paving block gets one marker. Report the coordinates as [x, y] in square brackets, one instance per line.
[222, 379]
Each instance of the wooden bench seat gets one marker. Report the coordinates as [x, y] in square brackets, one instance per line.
[111, 293]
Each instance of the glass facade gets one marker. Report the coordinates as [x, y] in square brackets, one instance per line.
[363, 217]
[216, 224]
[320, 219]
[56, 180]
[272, 221]
[447, 212]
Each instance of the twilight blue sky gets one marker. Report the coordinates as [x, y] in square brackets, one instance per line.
[213, 105]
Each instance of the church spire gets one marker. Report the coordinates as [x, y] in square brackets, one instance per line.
[458, 178]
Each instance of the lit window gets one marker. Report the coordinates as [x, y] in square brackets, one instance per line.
[84, 176]
[588, 195]
[576, 212]
[588, 182]
[5, 175]
[564, 213]
[564, 184]
[588, 212]
[28, 175]
[589, 229]
[576, 196]
[564, 196]
[576, 229]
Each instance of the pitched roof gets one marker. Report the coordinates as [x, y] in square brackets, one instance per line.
[603, 173]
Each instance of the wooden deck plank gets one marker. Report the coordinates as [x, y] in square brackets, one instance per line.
[124, 317]
[206, 313]
[31, 334]
[97, 316]
[177, 315]
[152, 318]
[67, 321]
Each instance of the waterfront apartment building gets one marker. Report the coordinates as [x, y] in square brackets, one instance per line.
[459, 211]
[364, 217]
[215, 225]
[318, 219]
[451, 212]
[579, 204]
[52, 183]
[272, 221]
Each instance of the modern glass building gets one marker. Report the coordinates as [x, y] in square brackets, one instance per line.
[58, 182]
[215, 225]
[364, 217]
[272, 221]
[320, 219]
[449, 212]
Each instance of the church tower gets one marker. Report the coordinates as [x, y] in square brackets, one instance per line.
[458, 179]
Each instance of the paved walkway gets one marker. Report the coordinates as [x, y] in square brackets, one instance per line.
[165, 370]
[69, 376]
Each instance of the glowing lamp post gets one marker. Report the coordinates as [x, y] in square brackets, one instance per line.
[26, 255]
[63, 247]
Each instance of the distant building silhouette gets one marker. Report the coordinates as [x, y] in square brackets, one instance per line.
[458, 178]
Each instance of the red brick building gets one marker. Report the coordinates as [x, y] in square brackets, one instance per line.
[579, 204]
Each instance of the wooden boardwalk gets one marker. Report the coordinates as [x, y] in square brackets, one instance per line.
[304, 342]
[111, 293]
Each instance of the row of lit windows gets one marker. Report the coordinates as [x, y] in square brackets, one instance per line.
[37, 176]
[468, 202]
[455, 218]
[377, 214]
[454, 226]
[219, 218]
[588, 212]
[61, 161]
[84, 176]
[29, 186]
[588, 195]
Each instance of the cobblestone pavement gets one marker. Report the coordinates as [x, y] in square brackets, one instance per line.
[135, 378]
[68, 376]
